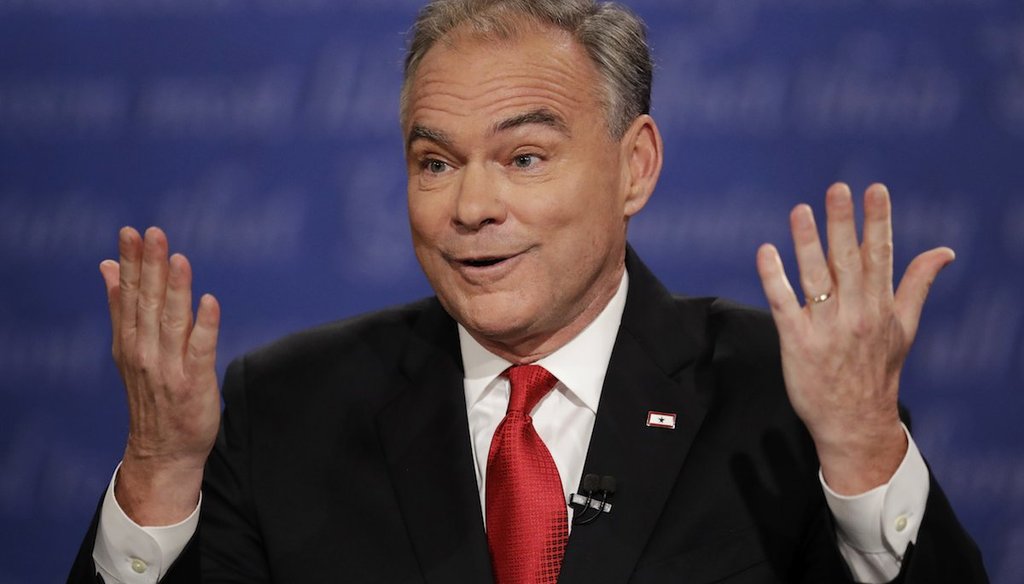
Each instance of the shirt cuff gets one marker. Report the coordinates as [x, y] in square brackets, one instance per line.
[130, 553]
[887, 518]
[873, 529]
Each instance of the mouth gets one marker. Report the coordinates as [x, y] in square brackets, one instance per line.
[484, 262]
[485, 268]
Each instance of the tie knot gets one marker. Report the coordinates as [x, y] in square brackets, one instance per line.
[529, 384]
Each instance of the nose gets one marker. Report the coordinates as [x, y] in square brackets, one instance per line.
[478, 201]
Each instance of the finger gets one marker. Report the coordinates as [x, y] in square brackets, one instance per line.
[781, 299]
[843, 251]
[815, 277]
[152, 289]
[130, 264]
[201, 355]
[110, 270]
[877, 246]
[914, 286]
[176, 320]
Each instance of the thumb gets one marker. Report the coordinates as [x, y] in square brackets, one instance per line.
[914, 286]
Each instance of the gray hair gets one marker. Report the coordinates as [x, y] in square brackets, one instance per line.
[613, 37]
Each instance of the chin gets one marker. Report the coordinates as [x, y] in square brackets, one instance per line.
[496, 319]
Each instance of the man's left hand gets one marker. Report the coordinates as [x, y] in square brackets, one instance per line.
[843, 350]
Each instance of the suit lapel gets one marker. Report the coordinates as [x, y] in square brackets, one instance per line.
[653, 367]
[425, 437]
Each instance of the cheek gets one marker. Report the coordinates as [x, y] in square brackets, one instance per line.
[424, 218]
[587, 211]
[580, 243]
[425, 237]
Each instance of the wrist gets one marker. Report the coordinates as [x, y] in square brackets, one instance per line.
[157, 494]
[862, 461]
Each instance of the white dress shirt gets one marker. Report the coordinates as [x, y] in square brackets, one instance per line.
[874, 528]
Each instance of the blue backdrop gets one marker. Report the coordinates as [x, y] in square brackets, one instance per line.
[262, 134]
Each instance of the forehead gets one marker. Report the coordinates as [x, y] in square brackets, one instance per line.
[467, 76]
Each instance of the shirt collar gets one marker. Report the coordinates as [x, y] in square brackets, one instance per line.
[580, 365]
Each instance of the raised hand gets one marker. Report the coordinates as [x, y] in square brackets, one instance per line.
[842, 351]
[166, 360]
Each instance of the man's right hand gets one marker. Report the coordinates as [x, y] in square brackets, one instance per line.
[166, 360]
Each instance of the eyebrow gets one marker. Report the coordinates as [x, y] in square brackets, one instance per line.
[541, 116]
[431, 135]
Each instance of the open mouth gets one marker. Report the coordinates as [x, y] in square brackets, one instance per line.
[483, 262]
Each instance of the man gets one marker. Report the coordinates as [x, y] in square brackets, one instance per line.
[439, 442]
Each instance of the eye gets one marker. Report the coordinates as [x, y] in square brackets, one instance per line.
[525, 160]
[435, 166]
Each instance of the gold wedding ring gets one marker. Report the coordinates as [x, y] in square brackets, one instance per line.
[819, 298]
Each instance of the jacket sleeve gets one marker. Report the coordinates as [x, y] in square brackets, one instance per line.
[944, 552]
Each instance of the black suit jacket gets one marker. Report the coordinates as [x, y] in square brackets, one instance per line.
[345, 456]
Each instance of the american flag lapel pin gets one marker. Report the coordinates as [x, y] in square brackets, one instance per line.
[661, 420]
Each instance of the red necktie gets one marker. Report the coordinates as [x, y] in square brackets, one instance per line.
[527, 521]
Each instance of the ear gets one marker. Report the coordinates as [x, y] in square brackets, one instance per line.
[642, 151]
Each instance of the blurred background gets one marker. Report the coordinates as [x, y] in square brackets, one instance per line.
[263, 136]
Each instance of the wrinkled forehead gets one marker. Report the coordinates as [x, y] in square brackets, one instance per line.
[469, 58]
